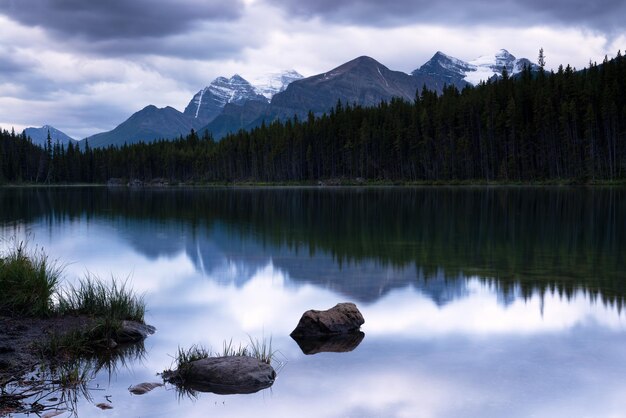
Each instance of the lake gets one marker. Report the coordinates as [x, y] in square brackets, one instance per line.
[478, 301]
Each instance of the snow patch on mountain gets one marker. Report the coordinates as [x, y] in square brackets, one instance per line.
[476, 71]
[208, 102]
[198, 101]
[232, 90]
[449, 63]
[270, 84]
[488, 66]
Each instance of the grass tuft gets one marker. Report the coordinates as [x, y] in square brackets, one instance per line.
[92, 297]
[28, 281]
[193, 353]
[262, 350]
[229, 350]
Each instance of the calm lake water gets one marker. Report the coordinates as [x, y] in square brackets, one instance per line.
[478, 302]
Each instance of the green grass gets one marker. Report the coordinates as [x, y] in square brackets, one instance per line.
[106, 305]
[28, 281]
[92, 297]
[262, 350]
[229, 350]
[30, 285]
[193, 353]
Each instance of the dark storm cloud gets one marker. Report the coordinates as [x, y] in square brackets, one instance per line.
[600, 15]
[11, 66]
[99, 20]
[210, 44]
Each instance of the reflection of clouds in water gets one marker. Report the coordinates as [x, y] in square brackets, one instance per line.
[408, 312]
[261, 293]
[472, 356]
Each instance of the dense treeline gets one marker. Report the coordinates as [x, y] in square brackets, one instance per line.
[564, 125]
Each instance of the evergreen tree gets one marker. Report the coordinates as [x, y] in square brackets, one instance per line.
[541, 59]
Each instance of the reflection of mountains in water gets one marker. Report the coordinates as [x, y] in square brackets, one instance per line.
[530, 239]
[235, 259]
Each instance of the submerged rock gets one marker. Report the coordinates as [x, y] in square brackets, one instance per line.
[343, 318]
[337, 343]
[133, 332]
[225, 375]
[143, 388]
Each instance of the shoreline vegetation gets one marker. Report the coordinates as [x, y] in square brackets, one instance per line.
[55, 337]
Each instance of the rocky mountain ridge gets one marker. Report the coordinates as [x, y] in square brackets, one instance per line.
[227, 105]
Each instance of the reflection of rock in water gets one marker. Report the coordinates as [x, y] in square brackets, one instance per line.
[330, 344]
[224, 375]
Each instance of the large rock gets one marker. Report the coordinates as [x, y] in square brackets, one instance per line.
[344, 318]
[338, 343]
[133, 332]
[225, 375]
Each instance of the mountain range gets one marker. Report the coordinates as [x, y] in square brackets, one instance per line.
[227, 105]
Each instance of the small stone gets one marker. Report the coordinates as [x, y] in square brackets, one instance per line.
[104, 406]
[52, 414]
[143, 388]
[133, 332]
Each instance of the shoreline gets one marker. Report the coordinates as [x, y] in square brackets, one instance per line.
[331, 183]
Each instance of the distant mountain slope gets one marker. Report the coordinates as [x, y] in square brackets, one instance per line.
[363, 80]
[39, 136]
[208, 103]
[488, 66]
[236, 117]
[273, 83]
[148, 124]
[444, 70]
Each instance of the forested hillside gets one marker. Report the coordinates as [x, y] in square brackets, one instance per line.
[568, 125]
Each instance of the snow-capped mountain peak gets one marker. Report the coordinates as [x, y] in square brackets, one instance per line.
[441, 61]
[231, 90]
[208, 102]
[488, 66]
[270, 84]
[443, 69]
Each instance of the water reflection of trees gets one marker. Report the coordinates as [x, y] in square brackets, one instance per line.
[553, 239]
[57, 385]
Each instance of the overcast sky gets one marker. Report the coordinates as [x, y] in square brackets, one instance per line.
[85, 66]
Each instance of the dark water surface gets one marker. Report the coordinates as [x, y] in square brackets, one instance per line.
[478, 302]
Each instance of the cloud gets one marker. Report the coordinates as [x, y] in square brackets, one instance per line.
[12, 64]
[602, 15]
[84, 67]
[119, 19]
